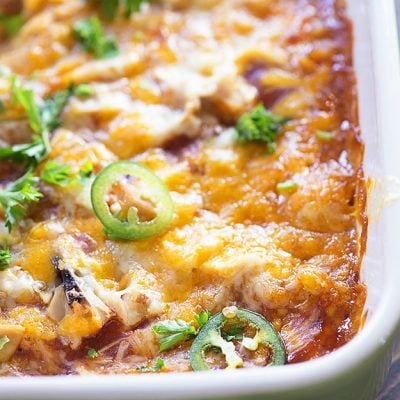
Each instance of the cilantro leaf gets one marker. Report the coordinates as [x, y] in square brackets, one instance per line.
[85, 172]
[133, 6]
[325, 136]
[93, 353]
[3, 341]
[172, 333]
[287, 187]
[261, 125]
[57, 174]
[26, 97]
[5, 257]
[29, 153]
[158, 366]
[17, 197]
[90, 35]
[62, 175]
[110, 8]
[83, 90]
[43, 119]
[11, 24]
[202, 317]
[52, 107]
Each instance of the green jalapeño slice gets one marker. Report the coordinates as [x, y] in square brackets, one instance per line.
[131, 201]
[232, 324]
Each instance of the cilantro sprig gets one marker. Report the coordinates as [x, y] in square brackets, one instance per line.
[27, 153]
[91, 36]
[93, 353]
[11, 23]
[5, 257]
[172, 332]
[83, 90]
[57, 174]
[260, 125]
[27, 99]
[43, 118]
[110, 7]
[52, 107]
[158, 366]
[202, 317]
[62, 175]
[16, 198]
[85, 173]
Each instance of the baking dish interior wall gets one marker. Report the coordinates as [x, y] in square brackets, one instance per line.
[373, 273]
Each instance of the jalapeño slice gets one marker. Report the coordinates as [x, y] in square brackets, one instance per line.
[154, 200]
[210, 336]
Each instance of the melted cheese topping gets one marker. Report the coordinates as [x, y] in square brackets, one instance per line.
[187, 70]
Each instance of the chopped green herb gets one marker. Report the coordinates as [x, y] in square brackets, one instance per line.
[17, 197]
[43, 119]
[3, 341]
[26, 97]
[235, 332]
[57, 174]
[92, 353]
[172, 333]
[29, 153]
[158, 366]
[133, 6]
[52, 107]
[11, 24]
[287, 187]
[5, 257]
[83, 90]
[85, 172]
[62, 175]
[202, 317]
[261, 125]
[324, 135]
[110, 7]
[90, 35]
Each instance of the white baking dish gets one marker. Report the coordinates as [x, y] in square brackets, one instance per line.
[355, 371]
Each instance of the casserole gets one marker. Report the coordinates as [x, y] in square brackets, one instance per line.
[330, 374]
